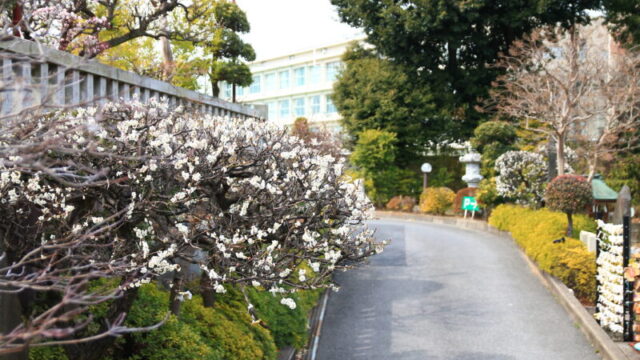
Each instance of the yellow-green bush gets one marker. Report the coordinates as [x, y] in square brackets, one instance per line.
[436, 200]
[535, 230]
[222, 332]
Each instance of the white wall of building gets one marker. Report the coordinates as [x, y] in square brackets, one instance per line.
[296, 85]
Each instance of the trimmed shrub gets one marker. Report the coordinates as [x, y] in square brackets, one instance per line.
[535, 230]
[461, 194]
[288, 326]
[436, 200]
[224, 331]
[401, 203]
[492, 132]
[570, 194]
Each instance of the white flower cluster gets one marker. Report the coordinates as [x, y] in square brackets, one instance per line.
[288, 302]
[521, 176]
[610, 275]
[149, 185]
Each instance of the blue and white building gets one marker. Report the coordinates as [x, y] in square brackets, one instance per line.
[296, 85]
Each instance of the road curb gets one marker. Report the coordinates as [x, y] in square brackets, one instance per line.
[606, 347]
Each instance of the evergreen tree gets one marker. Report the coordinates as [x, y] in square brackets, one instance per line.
[447, 48]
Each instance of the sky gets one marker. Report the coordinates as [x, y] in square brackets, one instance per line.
[279, 27]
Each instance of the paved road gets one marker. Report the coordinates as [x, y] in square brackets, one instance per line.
[438, 292]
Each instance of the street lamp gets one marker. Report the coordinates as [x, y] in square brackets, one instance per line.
[426, 168]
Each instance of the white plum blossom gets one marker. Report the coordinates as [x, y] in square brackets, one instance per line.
[522, 176]
[167, 183]
[288, 302]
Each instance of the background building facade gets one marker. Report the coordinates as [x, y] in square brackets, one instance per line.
[296, 85]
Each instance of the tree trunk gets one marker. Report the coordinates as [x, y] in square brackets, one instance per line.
[167, 59]
[215, 89]
[560, 154]
[167, 54]
[174, 299]
[569, 224]
[206, 289]
[593, 165]
[233, 89]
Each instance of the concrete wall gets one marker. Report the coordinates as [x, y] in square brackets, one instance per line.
[33, 74]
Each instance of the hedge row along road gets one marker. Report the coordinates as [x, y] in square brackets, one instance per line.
[439, 292]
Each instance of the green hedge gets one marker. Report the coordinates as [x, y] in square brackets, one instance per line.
[224, 331]
[289, 327]
[535, 230]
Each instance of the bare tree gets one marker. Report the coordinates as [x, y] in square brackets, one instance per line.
[576, 87]
[617, 109]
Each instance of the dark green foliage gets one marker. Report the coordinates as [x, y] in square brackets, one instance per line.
[492, 132]
[626, 171]
[492, 139]
[226, 47]
[288, 327]
[374, 155]
[447, 171]
[47, 353]
[623, 17]
[447, 48]
[224, 331]
[372, 93]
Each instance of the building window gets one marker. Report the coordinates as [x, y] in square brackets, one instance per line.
[332, 70]
[239, 90]
[314, 74]
[226, 90]
[299, 76]
[298, 106]
[330, 107]
[315, 104]
[283, 106]
[284, 79]
[270, 82]
[255, 85]
[273, 111]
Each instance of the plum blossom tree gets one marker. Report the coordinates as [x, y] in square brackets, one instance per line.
[88, 27]
[127, 190]
[521, 177]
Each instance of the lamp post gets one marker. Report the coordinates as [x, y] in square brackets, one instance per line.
[426, 169]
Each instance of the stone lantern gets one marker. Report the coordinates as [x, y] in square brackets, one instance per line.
[472, 172]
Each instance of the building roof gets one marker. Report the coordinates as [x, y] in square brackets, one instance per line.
[602, 191]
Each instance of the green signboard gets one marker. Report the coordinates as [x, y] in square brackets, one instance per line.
[469, 203]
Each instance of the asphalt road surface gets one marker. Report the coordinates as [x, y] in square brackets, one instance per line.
[438, 292]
